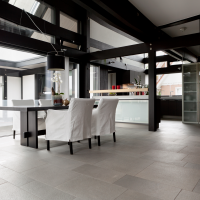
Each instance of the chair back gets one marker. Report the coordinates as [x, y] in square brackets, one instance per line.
[106, 116]
[45, 102]
[80, 111]
[29, 102]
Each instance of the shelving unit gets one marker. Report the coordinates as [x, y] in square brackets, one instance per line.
[190, 93]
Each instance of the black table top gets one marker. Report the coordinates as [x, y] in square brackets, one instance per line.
[32, 108]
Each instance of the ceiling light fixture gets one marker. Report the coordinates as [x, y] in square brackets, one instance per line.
[55, 62]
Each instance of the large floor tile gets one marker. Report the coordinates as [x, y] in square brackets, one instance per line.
[106, 175]
[179, 177]
[186, 195]
[11, 192]
[87, 188]
[21, 164]
[132, 195]
[46, 192]
[63, 162]
[14, 177]
[50, 175]
[197, 187]
[2, 181]
[163, 156]
[151, 188]
[192, 150]
[192, 166]
[192, 159]
[125, 164]
[91, 156]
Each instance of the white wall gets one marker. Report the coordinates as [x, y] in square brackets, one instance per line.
[29, 87]
[13, 87]
[105, 35]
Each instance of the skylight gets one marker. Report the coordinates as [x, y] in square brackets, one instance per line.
[15, 56]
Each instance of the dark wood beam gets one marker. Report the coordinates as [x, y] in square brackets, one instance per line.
[14, 14]
[119, 52]
[163, 58]
[168, 70]
[113, 64]
[173, 43]
[183, 21]
[27, 44]
[103, 46]
[84, 70]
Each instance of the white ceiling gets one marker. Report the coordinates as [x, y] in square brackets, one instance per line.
[161, 12]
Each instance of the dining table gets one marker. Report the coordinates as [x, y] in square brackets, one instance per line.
[28, 122]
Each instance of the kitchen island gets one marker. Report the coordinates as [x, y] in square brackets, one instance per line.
[131, 109]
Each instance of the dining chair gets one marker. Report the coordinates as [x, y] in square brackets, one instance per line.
[103, 118]
[16, 115]
[70, 125]
[44, 102]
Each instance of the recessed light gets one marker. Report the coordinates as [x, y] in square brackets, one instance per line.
[183, 29]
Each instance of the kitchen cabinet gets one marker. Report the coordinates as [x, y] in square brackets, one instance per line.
[171, 107]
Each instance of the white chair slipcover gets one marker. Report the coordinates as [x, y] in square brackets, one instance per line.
[71, 125]
[44, 102]
[16, 115]
[103, 117]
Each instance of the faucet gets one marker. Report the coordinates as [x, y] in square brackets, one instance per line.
[171, 93]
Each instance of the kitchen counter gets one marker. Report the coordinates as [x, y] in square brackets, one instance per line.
[130, 109]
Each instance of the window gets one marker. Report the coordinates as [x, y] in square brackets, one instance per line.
[37, 8]
[178, 91]
[169, 84]
[71, 24]
[161, 64]
[94, 79]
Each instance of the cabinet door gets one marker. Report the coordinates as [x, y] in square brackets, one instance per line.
[179, 108]
[164, 107]
[172, 108]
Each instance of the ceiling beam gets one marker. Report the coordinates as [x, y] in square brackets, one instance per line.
[119, 52]
[173, 43]
[31, 45]
[103, 46]
[116, 64]
[14, 14]
[127, 18]
[164, 58]
[183, 21]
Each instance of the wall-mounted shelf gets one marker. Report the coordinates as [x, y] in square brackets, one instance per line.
[120, 90]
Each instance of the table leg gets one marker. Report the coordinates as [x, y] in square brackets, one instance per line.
[23, 127]
[33, 129]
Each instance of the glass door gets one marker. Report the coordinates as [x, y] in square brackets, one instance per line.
[190, 93]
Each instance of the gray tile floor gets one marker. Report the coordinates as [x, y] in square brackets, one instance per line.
[141, 165]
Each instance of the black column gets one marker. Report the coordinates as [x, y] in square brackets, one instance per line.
[84, 70]
[153, 125]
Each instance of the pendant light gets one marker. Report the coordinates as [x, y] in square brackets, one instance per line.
[55, 62]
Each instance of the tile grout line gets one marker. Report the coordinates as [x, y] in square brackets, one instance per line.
[178, 194]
